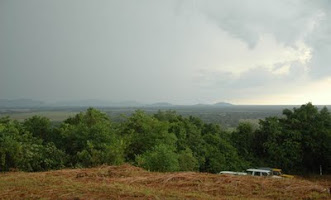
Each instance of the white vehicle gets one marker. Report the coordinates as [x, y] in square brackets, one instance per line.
[254, 172]
[258, 172]
[233, 173]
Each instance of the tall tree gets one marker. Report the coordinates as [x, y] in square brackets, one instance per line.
[40, 127]
[144, 132]
[92, 139]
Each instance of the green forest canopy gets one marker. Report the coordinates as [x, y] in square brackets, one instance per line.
[298, 142]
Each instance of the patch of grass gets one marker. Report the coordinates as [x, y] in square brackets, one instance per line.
[128, 182]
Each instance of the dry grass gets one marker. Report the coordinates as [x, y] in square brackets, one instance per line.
[128, 182]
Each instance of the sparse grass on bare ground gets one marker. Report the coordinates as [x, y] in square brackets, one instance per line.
[128, 182]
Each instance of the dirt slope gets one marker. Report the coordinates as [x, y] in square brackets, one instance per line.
[128, 182]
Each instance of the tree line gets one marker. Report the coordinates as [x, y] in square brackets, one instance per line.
[298, 142]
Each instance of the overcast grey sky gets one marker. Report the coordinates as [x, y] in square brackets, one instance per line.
[177, 51]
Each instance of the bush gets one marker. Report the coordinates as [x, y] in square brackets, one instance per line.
[161, 158]
[186, 161]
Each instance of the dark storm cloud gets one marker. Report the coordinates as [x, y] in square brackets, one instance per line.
[182, 51]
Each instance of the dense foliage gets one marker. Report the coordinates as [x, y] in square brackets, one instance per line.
[298, 142]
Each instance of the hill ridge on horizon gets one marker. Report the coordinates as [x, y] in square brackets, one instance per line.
[31, 103]
[25, 102]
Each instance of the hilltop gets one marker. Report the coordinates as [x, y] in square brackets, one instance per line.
[129, 182]
[30, 103]
[222, 104]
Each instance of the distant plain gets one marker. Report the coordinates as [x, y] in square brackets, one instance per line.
[226, 116]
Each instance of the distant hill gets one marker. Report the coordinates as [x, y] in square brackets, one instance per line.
[222, 104]
[29, 103]
[20, 103]
[96, 103]
[160, 104]
[100, 103]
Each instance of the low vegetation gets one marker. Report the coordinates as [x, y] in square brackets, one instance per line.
[129, 182]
